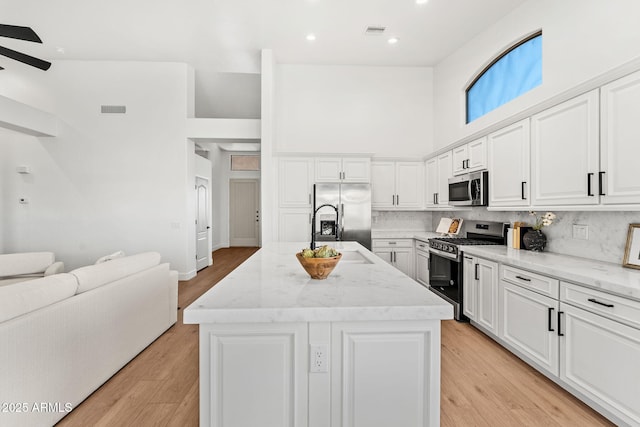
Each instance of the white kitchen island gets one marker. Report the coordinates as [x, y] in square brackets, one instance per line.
[277, 348]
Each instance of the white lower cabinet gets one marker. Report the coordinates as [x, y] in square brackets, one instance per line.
[422, 262]
[383, 374]
[376, 374]
[480, 292]
[528, 324]
[397, 252]
[587, 340]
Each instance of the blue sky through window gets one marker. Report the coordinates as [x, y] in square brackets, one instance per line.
[516, 72]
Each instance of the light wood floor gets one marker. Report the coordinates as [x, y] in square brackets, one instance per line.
[482, 384]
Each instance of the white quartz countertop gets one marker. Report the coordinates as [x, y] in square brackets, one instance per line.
[607, 277]
[271, 286]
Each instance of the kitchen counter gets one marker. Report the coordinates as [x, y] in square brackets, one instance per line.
[272, 286]
[306, 352]
[604, 276]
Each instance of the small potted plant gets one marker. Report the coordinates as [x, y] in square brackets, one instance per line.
[535, 240]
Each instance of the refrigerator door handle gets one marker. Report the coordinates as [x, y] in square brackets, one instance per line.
[340, 222]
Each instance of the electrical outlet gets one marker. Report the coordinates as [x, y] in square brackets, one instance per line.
[318, 358]
[580, 232]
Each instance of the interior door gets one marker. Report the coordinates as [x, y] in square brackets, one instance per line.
[202, 223]
[244, 213]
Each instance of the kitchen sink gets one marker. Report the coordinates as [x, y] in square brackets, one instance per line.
[354, 257]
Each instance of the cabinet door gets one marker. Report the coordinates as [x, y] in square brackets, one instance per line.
[459, 156]
[294, 225]
[295, 182]
[487, 298]
[422, 265]
[477, 155]
[385, 254]
[565, 153]
[409, 184]
[445, 171]
[431, 181]
[528, 323]
[599, 358]
[356, 170]
[508, 149]
[385, 373]
[469, 287]
[328, 169]
[403, 260]
[619, 143]
[383, 185]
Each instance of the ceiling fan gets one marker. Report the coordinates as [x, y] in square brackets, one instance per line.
[26, 34]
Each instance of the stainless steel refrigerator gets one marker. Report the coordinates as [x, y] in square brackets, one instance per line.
[348, 217]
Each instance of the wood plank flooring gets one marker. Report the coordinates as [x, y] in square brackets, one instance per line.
[482, 383]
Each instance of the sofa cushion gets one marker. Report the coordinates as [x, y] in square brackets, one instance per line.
[27, 296]
[25, 263]
[93, 276]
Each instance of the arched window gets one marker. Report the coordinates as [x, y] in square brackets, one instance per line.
[516, 71]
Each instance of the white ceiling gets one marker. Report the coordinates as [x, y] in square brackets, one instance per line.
[226, 36]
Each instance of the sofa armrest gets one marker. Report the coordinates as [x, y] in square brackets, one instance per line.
[55, 268]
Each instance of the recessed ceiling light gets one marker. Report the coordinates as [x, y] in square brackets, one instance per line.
[393, 40]
[60, 49]
[421, 1]
[311, 37]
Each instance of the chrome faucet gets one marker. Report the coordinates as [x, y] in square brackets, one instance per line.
[313, 224]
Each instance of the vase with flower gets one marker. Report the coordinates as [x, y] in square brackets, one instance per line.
[535, 240]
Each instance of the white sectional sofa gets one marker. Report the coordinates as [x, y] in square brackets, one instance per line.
[64, 335]
[27, 266]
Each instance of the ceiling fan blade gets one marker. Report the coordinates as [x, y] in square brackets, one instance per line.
[20, 33]
[26, 59]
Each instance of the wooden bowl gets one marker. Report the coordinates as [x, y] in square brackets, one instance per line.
[318, 268]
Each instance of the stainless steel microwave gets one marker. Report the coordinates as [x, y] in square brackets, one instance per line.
[471, 189]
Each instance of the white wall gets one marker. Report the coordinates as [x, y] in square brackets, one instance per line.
[386, 111]
[582, 39]
[107, 182]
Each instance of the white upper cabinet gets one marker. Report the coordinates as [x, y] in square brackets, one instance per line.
[397, 185]
[620, 141]
[438, 171]
[565, 153]
[508, 161]
[296, 181]
[470, 157]
[337, 169]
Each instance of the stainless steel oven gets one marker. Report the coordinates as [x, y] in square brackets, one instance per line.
[445, 259]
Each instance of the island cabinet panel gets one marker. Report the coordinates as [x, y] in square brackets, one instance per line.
[255, 374]
[385, 374]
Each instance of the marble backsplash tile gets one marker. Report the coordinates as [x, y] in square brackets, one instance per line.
[607, 230]
[401, 220]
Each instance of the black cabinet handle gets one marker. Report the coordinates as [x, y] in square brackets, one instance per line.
[397, 200]
[476, 273]
[522, 189]
[523, 278]
[434, 198]
[560, 313]
[549, 319]
[600, 175]
[589, 176]
[595, 301]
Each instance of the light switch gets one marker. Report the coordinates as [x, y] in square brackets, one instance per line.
[580, 232]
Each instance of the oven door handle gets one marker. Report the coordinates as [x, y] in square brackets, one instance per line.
[443, 254]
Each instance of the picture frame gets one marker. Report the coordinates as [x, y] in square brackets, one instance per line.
[632, 249]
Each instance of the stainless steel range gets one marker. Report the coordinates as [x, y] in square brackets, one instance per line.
[445, 259]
